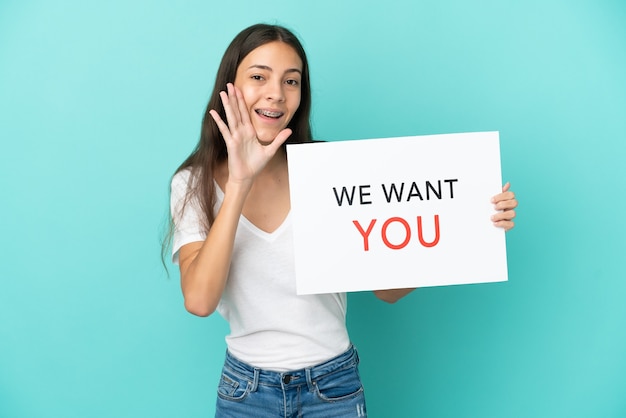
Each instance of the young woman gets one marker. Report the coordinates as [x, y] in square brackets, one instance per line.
[287, 355]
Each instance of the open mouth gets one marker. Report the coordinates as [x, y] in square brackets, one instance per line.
[268, 113]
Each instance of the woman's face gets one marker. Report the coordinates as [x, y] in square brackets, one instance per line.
[269, 78]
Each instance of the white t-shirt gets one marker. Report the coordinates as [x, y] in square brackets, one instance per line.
[271, 327]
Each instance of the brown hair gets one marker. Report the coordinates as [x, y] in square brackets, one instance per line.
[211, 149]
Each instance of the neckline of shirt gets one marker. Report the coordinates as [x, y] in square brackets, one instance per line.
[269, 236]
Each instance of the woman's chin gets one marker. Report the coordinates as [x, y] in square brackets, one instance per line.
[266, 138]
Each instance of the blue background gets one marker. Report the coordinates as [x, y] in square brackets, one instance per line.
[100, 102]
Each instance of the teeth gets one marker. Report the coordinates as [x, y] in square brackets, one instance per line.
[269, 114]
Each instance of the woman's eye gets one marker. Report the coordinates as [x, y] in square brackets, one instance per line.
[292, 82]
[257, 77]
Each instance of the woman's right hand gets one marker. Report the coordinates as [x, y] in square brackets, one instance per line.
[246, 155]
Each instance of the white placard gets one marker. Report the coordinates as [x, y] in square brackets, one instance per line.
[396, 212]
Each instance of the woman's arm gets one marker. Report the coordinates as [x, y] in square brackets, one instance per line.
[204, 266]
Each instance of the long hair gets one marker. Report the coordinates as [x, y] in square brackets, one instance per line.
[211, 149]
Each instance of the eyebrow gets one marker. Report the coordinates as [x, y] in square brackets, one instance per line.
[268, 68]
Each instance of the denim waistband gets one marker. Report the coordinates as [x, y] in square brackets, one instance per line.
[292, 378]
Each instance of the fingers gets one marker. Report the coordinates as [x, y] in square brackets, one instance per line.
[241, 103]
[506, 225]
[506, 199]
[504, 203]
[231, 106]
[279, 140]
[236, 113]
[504, 219]
[238, 125]
[507, 215]
[220, 124]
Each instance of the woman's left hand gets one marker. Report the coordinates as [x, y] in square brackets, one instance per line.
[505, 203]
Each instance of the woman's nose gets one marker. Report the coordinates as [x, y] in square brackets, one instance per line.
[276, 92]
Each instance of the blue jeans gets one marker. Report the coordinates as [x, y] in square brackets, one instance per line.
[330, 389]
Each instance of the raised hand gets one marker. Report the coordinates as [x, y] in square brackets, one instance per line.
[246, 154]
[505, 203]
